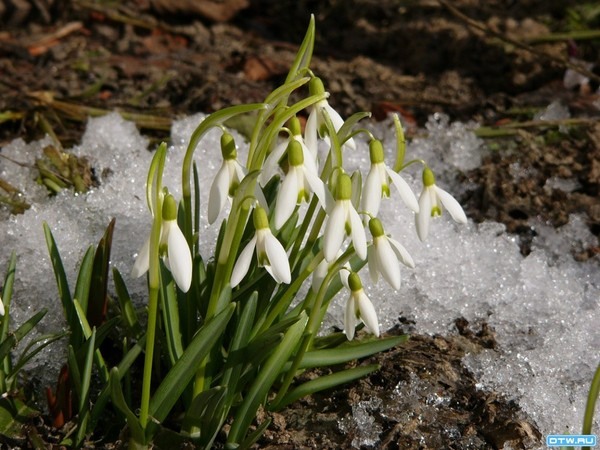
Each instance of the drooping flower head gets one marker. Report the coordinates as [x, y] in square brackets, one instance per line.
[384, 255]
[227, 180]
[377, 184]
[359, 308]
[173, 248]
[344, 220]
[299, 183]
[315, 124]
[270, 254]
[430, 205]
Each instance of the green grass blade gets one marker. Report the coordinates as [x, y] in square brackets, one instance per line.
[13, 339]
[267, 375]
[128, 315]
[84, 278]
[98, 299]
[63, 286]
[177, 379]
[119, 401]
[326, 382]
[170, 312]
[5, 362]
[86, 373]
[348, 352]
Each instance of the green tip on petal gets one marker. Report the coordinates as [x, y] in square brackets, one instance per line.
[428, 178]
[228, 149]
[354, 282]
[376, 227]
[294, 126]
[376, 151]
[295, 153]
[344, 187]
[260, 219]
[315, 86]
[436, 211]
[169, 209]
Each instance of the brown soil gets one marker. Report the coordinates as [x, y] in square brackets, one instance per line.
[61, 61]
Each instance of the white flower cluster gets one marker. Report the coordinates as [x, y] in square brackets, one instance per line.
[348, 210]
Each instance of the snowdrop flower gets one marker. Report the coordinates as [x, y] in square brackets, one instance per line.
[344, 220]
[271, 165]
[430, 205]
[359, 307]
[1, 307]
[269, 252]
[228, 178]
[315, 125]
[300, 181]
[173, 246]
[384, 254]
[377, 184]
[320, 273]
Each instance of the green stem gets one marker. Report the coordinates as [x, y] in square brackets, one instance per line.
[158, 164]
[588, 416]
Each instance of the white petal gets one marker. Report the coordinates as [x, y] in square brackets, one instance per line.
[278, 259]
[372, 263]
[320, 190]
[243, 263]
[337, 121]
[367, 313]
[287, 197]
[271, 165]
[335, 232]
[451, 205]
[142, 262]
[387, 262]
[1, 307]
[401, 253]
[406, 194]
[310, 160]
[180, 258]
[371, 198]
[310, 132]
[423, 218]
[358, 234]
[319, 275]
[350, 318]
[219, 191]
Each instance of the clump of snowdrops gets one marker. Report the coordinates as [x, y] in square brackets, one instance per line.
[227, 333]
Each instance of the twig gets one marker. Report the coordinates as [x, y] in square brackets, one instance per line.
[483, 27]
[514, 127]
[576, 35]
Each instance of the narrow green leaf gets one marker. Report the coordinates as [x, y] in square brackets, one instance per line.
[345, 131]
[255, 435]
[5, 362]
[349, 352]
[128, 314]
[32, 349]
[86, 373]
[119, 401]
[326, 382]
[123, 367]
[304, 55]
[74, 372]
[15, 417]
[63, 286]
[267, 375]
[84, 278]
[176, 380]
[170, 312]
[13, 339]
[241, 336]
[98, 298]
[206, 414]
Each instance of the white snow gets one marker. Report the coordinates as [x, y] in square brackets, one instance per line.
[544, 307]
